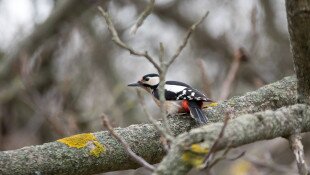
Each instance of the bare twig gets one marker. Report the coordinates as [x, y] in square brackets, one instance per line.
[142, 17]
[231, 75]
[133, 155]
[162, 131]
[298, 150]
[185, 40]
[123, 45]
[213, 149]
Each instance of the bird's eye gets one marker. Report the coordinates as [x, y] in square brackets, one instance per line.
[146, 79]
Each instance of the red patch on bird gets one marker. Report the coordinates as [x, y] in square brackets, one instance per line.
[185, 106]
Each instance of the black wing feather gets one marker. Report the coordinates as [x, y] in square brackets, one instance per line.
[197, 113]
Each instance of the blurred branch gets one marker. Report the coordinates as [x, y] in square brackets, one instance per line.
[142, 17]
[204, 78]
[203, 38]
[132, 154]
[232, 73]
[258, 126]
[63, 12]
[58, 158]
[268, 163]
[298, 150]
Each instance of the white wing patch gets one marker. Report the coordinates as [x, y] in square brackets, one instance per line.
[174, 88]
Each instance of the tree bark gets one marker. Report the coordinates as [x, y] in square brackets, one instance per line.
[298, 17]
[58, 158]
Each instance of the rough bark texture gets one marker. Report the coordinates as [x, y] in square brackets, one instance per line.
[245, 129]
[58, 158]
[298, 17]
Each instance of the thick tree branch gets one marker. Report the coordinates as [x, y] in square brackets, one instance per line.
[298, 17]
[58, 158]
[245, 129]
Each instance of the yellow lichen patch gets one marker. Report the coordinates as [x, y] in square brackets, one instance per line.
[195, 155]
[99, 148]
[83, 140]
[214, 104]
[199, 149]
[196, 160]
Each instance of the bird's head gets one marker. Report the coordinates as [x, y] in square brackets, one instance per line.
[148, 82]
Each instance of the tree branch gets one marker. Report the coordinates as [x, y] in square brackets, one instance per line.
[245, 129]
[59, 158]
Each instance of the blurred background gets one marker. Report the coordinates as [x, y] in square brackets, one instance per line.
[59, 69]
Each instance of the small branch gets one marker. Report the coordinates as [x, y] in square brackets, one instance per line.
[216, 142]
[133, 155]
[231, 75]
[120, 43]
[162, 130]
[142, 17]
[185, 40]
[298, 150]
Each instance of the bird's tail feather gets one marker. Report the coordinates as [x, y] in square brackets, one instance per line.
[197, 113]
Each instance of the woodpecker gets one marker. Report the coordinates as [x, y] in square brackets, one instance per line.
[180, 97]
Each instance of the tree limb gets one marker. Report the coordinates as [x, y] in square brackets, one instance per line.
[298, 17]
[58, 158]
[245, 129]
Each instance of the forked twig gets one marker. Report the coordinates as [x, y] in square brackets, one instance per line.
[132, 154]
[119, 42]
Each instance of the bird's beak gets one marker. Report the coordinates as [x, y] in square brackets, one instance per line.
[138, 84]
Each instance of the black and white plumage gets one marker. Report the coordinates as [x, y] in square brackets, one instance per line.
[180, 97]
